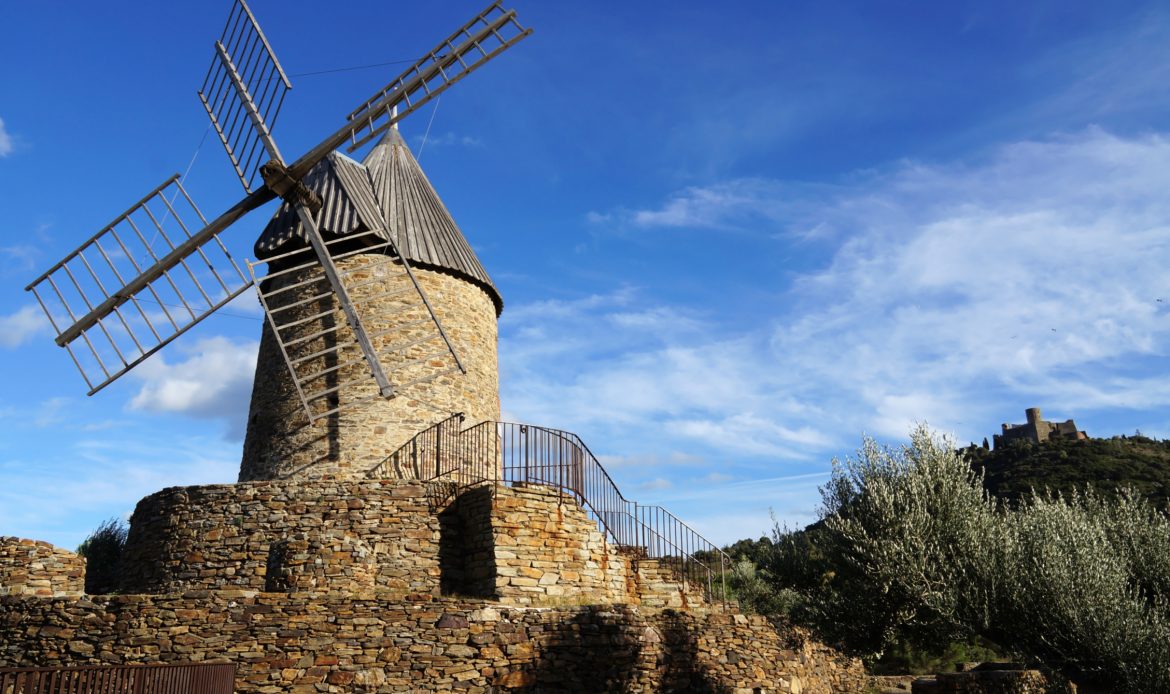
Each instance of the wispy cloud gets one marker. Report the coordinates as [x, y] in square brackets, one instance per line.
[952, 293]
[99, 478]
[1019, 279]
[747, 205]
[6, 145]
[21, 326]
[215, 382]
[447, 139]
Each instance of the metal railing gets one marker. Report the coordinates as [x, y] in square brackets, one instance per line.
[503, 452]
[184, 678]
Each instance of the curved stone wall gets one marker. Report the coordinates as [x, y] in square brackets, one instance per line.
[38, 569]
[321, 535]
[521, 546]
[281, 443]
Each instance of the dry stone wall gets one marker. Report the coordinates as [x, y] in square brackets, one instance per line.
[281, 443]
[987, 681]
[324, 535]
[534, 545]
[35, 568]
[540, 548]
[331, 643]
[529, 545]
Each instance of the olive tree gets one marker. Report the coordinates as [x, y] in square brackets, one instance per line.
[1081, 583]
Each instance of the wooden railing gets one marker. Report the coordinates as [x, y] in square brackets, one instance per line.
[502, 452]
[182, 678]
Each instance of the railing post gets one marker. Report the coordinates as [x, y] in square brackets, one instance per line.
[439, 449]
[723, 576]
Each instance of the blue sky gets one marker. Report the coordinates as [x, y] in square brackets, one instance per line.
[732, 238]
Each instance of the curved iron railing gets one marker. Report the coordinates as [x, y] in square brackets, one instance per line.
[504, 452]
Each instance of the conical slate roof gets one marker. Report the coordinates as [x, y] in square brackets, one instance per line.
[389, 194]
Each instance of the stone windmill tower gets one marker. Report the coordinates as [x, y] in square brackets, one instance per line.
[386, 197]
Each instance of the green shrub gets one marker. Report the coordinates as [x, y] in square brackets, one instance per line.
[103, 556]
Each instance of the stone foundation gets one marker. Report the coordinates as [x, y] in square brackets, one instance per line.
[519, 545]
[32, 567]
[315, 643]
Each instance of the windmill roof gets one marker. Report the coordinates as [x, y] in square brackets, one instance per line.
[389, 194]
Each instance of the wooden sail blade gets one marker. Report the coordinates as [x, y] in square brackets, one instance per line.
[242, 94]
[147, 277]
[488, 34]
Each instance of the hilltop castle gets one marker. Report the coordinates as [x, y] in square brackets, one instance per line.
[1038, 430]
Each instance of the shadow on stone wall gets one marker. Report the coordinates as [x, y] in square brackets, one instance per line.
[681, 655]
[467, 564]
[596, 651]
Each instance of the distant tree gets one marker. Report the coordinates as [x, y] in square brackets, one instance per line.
[103, 556]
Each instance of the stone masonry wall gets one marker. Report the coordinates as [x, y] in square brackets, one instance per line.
[531, 545]
[544, 549]
[281, 443]
[32, 567]
[315, 643]
[1018, 681]
[520, 545]
[320, 535]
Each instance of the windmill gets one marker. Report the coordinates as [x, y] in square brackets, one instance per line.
[160, 267]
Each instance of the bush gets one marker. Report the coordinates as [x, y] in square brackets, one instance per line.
[1079, 583]
[103, 556]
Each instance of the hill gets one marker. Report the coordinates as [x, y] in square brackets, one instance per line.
[1012, 471]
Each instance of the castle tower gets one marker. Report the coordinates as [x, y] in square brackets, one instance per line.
[356, 197]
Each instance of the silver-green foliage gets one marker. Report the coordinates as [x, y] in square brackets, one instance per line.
[1081, 583]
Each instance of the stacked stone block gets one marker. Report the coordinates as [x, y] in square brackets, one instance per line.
[315, 643]
[322, 535]
[38, 569]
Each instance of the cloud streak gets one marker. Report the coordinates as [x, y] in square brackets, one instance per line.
[215, 382]
[955, 294]
[20, 327]
[6, 145]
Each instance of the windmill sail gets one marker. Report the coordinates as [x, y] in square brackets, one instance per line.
[154, 272]
[488, 34]
[243, 92]
[131, 289]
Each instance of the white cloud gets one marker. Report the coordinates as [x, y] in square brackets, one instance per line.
[1027, 276]
[5, 141]
[93, 479]
[214, 383]
[21, 326]
[656, 484]
[446, 139]
[947, 293]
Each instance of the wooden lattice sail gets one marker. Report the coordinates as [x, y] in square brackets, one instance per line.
[163, 259]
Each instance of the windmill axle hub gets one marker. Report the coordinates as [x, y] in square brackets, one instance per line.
[289, 189]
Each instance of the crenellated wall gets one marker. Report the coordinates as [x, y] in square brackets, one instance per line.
[35, 568]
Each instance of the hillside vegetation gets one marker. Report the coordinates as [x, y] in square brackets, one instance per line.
[913, 568]
[1140, 463]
